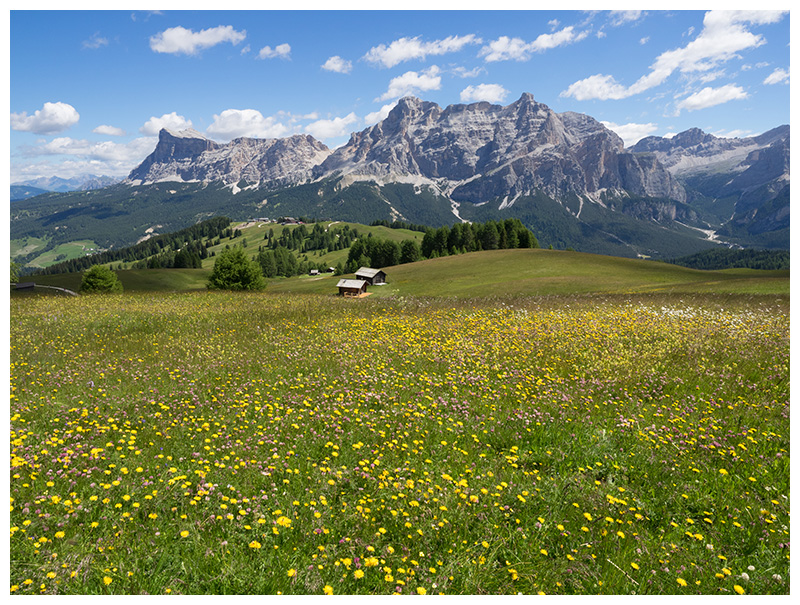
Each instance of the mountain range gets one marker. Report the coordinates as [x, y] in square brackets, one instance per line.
[565, 175]
[84, 182]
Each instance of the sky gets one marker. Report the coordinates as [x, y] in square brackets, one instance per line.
[90, 90]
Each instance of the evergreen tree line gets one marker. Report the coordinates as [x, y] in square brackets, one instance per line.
[727, 258]
[399, 225]
[444, 241]
[303, 240]
[172, 249]
[282, 262]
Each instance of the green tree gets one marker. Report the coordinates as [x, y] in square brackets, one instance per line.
[14, 272]
[410, 251]
[234, 271]
[100, 278]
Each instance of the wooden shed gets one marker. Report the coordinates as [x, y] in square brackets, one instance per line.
[371, 276]
[352, 287]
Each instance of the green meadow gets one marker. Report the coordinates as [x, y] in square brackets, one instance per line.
[515, 421]
[520, 272]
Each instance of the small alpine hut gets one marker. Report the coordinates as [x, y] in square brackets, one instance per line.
[371, 276]
[352, 287]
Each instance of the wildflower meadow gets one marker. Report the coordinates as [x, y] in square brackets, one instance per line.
[253, 443]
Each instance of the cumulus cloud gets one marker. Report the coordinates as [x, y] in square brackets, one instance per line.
[328, 129]
[517, 49]
[381, 114]
[111, 131]
[708, 97]
[282, 51]
[52, 118]
[179, 40]
[724, 35]
[779, 76]
[631, 133]
[406, 49]
[233, 123]
[171, 121]
[338, 65]
[494, 93]
[78, 156]
[412, 82]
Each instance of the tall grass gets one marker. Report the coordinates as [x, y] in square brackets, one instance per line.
[256, 443]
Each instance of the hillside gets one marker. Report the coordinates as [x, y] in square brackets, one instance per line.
[503, 273]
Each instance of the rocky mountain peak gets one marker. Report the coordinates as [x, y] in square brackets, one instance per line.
[482, 151]
[187, 155]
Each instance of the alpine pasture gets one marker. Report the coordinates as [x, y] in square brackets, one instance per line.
[634, 442]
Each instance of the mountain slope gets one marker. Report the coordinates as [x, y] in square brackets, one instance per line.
[740, 185]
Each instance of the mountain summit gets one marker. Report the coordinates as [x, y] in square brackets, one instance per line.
[482, 151]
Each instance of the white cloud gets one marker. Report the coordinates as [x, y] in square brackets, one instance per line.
[234, 123]
[328, 129]
[52, 118]
[708, 97]
[337, 64]
[412, 82]
[463, 72]
[507, 49]
[179, 40]
[171, 121]
[106, 157]
[111, 131]
[96, 41]
[597, 86]
[779, 76]
[724, 35]
[406, 49]
[494, 93]
[631, 133]
[736, 133]
[644, 40]
[625, 16]
[281, 51]
[377, 116]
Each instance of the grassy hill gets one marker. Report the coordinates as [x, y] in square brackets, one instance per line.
[521, 272]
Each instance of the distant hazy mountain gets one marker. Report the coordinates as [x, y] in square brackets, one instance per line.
[83, 182]
[23, 192]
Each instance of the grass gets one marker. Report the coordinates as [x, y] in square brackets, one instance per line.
[540, 272]
[509, 272]
[261, 443]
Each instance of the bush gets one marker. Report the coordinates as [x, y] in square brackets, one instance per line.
[100, 279]
[234, 271]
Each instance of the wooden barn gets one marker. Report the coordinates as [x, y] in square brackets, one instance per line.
[352, 287]
[371, 276]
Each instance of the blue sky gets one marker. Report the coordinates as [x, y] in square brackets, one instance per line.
[89, 90]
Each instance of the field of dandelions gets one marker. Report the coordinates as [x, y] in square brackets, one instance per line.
[262, 444]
